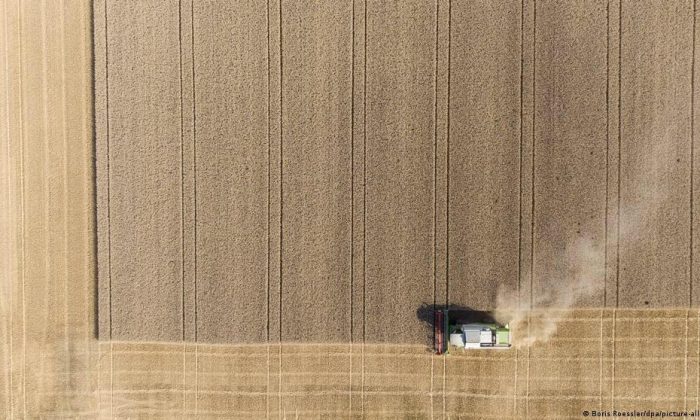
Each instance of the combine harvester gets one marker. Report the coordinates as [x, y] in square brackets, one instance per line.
[460, 329]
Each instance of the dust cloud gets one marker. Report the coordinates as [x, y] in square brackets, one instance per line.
[537, 321]
[584, 269]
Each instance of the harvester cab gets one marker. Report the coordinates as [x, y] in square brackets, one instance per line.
[460, 329]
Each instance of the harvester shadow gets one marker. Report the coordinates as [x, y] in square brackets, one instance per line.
[458, 313]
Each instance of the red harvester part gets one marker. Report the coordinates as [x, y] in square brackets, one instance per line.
[439, 332]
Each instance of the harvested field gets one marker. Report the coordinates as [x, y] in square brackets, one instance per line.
[377, 180]
[601, 359]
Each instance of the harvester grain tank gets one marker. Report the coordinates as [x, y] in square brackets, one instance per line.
[453, 330]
